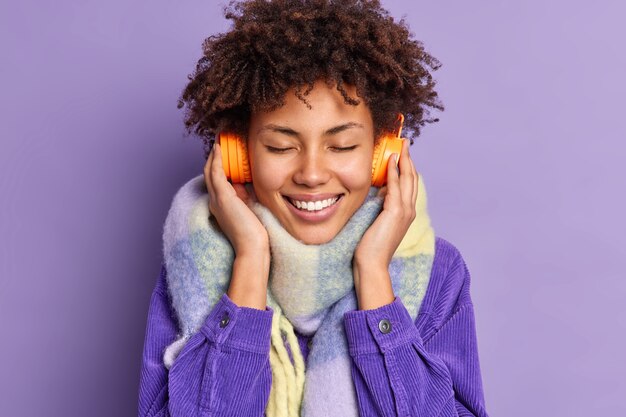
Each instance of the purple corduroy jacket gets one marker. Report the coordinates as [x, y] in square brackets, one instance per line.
[426, 368]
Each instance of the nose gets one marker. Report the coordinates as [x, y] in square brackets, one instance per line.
[312, 170]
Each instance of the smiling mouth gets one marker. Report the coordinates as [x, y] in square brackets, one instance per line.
[313, 206]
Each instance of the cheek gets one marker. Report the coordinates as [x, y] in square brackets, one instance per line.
[356, 173]
[267, 180]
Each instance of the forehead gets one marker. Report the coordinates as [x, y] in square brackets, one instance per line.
[326, 107]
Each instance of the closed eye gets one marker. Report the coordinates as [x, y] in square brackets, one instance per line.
[277, 150]
[335, 148]
[344, 149]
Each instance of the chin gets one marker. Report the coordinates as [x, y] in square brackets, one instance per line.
[314, 237]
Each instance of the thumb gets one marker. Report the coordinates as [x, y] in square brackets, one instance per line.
[382, 192]
[242, 193]
[251, 193]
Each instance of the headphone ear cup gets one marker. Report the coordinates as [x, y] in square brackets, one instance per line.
[387, 145]
[376, 162]
[235, 157]
[244, 164]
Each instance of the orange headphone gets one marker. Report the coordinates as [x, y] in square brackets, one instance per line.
[237, 167]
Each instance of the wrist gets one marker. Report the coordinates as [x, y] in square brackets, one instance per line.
[248, 283]
[369, 265]
[373, 287]
[253, 265]
[251, 251]
[374, 291]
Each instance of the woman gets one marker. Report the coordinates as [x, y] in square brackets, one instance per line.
[308, 291]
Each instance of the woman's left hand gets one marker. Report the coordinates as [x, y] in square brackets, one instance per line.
[373, 254]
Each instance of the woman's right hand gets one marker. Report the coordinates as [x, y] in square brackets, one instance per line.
[228, 203]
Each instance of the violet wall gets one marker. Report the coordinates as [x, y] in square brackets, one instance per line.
[525, 174]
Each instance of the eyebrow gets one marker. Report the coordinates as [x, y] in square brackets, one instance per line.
[290, 132]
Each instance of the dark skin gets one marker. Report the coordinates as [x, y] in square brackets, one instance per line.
[282, 49]
[306, 169]
[278, 45]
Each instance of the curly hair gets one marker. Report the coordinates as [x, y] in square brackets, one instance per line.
[277, 45]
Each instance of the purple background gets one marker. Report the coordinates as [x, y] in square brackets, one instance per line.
[524, 175]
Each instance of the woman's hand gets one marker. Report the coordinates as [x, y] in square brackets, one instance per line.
[374, 252]
[228, 203]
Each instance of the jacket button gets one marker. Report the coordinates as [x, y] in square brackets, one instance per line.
[384, 326]
[224, 321]
[309, 343]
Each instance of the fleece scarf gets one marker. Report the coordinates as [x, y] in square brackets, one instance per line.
[310, 288]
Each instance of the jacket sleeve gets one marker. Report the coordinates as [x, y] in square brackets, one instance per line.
[223, 369]
[398, 373]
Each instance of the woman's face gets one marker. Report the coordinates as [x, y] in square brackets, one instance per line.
[312, 168]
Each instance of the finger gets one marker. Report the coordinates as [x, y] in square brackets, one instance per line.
[393, 181]
[207, 172]
[407, 175]
[209, 181]
[251, 193]
[415, 183]
[382, 191]
[242, 193]
[415, 179]
[218, 177]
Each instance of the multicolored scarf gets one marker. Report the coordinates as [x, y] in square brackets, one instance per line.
[310, 288]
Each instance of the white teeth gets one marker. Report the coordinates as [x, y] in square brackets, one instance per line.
[314, 205]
